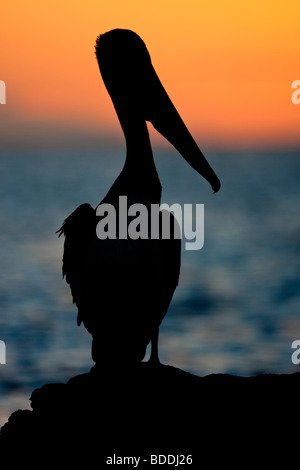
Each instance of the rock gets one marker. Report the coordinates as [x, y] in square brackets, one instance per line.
[146, 410]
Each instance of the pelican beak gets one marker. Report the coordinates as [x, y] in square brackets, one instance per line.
[166, 120]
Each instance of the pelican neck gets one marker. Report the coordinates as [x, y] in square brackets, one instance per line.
[139, 155]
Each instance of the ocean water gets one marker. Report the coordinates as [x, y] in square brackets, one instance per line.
[237, 307]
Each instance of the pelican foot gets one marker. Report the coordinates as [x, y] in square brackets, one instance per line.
[154, 360]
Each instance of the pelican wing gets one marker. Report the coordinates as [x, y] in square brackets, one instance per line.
[79, 231]
[170, 254]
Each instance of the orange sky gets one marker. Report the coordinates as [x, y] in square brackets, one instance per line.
[228, 66]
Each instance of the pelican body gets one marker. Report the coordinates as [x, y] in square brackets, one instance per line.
[123, 287]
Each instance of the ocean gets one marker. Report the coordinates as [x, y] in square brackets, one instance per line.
[237, 307]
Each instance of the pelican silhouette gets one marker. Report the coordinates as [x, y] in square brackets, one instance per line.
[123, 287]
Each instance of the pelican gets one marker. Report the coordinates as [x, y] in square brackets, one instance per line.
[123, 287]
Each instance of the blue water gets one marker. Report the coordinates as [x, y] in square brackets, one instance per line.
[237, 308]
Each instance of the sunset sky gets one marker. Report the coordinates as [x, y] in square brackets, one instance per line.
[228, 66]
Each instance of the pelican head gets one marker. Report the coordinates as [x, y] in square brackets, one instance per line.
[137, 94]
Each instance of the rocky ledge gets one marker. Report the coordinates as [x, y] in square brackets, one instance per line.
[105, 415]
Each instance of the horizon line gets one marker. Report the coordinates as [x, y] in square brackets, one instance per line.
[57, 136]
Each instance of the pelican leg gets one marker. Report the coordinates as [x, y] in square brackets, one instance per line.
[154, 359]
